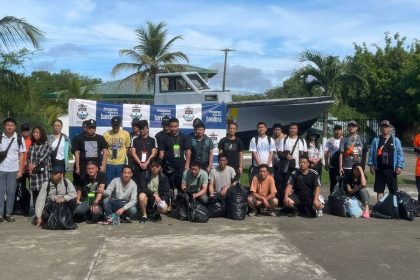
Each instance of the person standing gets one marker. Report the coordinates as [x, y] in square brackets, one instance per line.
[416, 146]
[143, 150]
[332, 156]
[386, 160]
[315, 151]
[12, 152]
[164, 131]
[201, 148]
[352, 150]
[233, 148]
[60, 145]
[118, 141]
[38, 161]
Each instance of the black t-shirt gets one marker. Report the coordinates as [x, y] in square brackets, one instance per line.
[92, 185]
[231, 148]
[354, 184]
[159, 137]
[144, 144]
[166, 145]
[304, 185]
[387, 151]
[90, 148]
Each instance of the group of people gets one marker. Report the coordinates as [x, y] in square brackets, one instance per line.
[133, 175]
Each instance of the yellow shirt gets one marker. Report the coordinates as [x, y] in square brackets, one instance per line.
[118, 144]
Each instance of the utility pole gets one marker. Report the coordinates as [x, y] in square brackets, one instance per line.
[226, 51]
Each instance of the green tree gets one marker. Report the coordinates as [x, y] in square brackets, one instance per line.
[151, 56]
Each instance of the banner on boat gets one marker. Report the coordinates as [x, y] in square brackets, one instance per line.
[212, 115]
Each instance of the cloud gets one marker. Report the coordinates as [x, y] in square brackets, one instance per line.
[80, 9]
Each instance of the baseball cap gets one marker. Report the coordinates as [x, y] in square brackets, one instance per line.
[57, 169]
[338, 127]
[385, 123]
[115, 120]
[165, 120]
[196, 122]
[91, 123]
[352, 122]
[25, 127]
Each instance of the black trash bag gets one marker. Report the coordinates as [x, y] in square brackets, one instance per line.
[216, 206]
[22, 200]
[386, 208]
[180, 207]
[336, 205]
[197, 212]
[236, 205]
[407, 206]
[58, 216]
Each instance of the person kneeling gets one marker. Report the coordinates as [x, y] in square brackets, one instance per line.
[121, 197]
[263, 192]
[195, 182]
[89, 197]
[57, 189]
[355, 185]
[154, 191]
[302, 191]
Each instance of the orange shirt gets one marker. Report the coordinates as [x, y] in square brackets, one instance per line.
[28, 143]
[263, 188]
[416, 144]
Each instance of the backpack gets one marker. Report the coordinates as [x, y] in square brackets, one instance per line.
[407, 206]
[204, 157]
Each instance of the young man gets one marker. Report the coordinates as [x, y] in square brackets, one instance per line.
[263, 192]
[352, 150]
[416, 146]
[143, 150]
[59, 155]
[154, 191]
[302, 191]
[89, 146]
[121, 196]
[278, 136]
[118, 145]
[386, 160]
[332, 156]
[195, 181]
[262, 148]
[233, 148]
[12, 148]
[59, 191]
[221, 177]
[172, 149]
[89, 197]
[201, 148]
[289, 151]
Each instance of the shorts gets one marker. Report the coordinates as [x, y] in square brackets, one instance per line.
[388, 177]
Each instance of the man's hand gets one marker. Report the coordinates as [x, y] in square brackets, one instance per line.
[94, 208]
[60, 199]
[157, 198]
[120, 211]
[208, 169]
[317, 204]
[372, 170]
[240, 170]
[183, 188]
[289, 157]
[398, 170]
[288, 202]
[77, 170]
[266, 203]
[224, 191]
[103, 168]
[19, 175]
[194, 196]
[38, 222]
[341, 171]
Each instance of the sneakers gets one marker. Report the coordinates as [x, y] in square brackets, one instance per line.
[319, 213]
[366, 214]
[251, 213]
[143, 220]
[125, 220]
[9, 218]
[294, 213]
[272, 214]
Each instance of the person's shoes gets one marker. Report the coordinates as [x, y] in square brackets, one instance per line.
[125, 220]
[366, 214]
[9, 218]
[143, 220]
[319, 213]
[272, 214]
[294, 213]
[251, 213]
[1, 219]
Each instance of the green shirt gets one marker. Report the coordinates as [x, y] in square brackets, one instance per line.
[196, 182]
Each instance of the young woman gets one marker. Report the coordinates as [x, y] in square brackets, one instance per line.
[59, 155]
[356, 186]
[315, 151]
[38, 160]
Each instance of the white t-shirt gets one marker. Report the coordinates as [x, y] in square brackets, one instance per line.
[60, 151]
[222, 178]
[263, 149]
[332, 146]
[287, 145]
[11, 162]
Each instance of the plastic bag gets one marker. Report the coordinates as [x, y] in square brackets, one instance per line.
[58, 216]
[236, 206]
[198, 212]
[180, 207]
[216, 206]
[352, 208]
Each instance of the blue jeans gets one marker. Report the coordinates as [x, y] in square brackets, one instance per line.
[111, 205]
[8, 185]
[113, 171]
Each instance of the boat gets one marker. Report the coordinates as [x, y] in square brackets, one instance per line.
[190, 88]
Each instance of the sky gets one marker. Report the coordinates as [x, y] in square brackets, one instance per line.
[85, 36]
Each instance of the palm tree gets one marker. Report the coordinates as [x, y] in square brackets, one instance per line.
[151, 56]
[74, 90]
[326, 72]
[14, 31]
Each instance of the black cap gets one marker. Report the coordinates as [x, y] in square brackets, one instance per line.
[143, 124]
[165, 120]
[338, 127]
[25, 127]
[385, 123]
[84, 123]
[115, 120]
[91, 123]
[57, 169]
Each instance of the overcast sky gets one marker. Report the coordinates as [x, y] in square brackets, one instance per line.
[268, 36]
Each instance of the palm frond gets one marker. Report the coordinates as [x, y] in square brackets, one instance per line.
[14, 31]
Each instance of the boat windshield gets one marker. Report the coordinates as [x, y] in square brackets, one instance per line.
[197, 81]
[173, 83]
